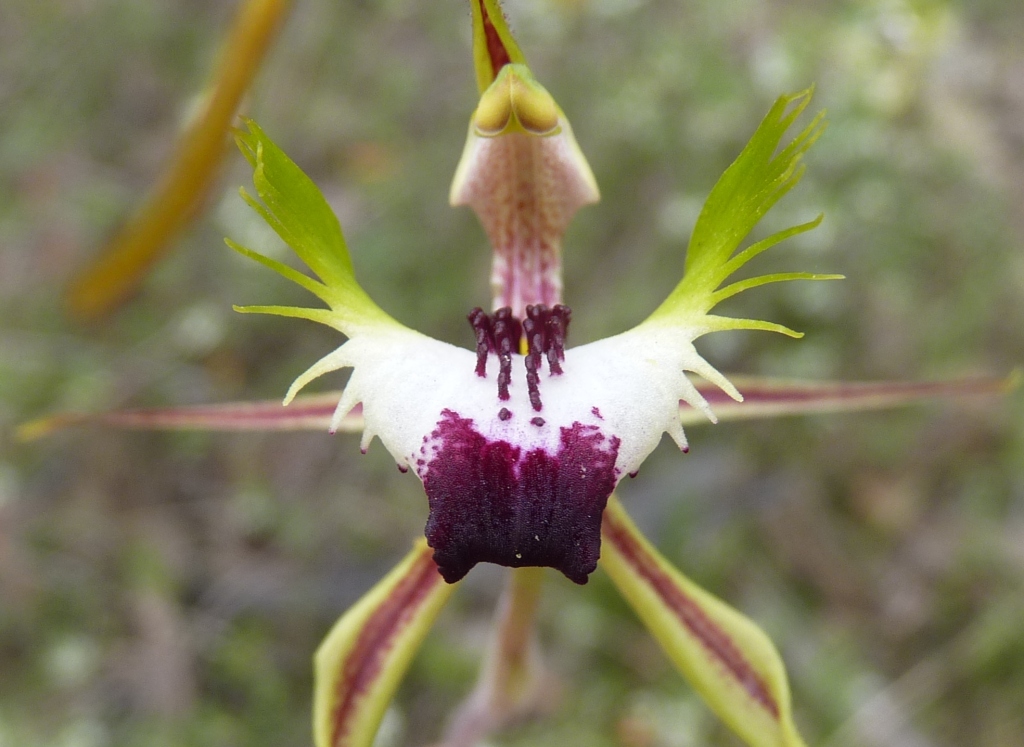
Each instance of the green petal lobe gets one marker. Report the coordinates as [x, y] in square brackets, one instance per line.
[759, 177]
[295, 208]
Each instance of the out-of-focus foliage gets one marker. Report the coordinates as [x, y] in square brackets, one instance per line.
[166, 589]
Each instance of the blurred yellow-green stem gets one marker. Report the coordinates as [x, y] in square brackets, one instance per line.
[512, 678]
[114, 276]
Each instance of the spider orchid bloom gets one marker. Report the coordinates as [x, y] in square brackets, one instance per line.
[520, 443]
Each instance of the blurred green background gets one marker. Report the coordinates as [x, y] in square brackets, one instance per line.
[169, 589]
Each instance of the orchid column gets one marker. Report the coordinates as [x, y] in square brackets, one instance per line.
[521, 171]
[524, 175]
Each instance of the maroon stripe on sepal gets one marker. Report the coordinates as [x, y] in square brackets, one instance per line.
[715, 641]
[364, 663]
[495, 47]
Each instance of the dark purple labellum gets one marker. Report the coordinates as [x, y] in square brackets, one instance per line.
[493, 502]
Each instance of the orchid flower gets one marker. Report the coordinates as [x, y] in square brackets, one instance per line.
[520, 442]
[517, 461]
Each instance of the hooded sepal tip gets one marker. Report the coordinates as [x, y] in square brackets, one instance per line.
[493, 43]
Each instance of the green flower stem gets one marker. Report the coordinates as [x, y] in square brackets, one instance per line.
[511, 683]
[515, 620]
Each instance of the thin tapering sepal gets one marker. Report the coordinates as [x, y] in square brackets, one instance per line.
[310, 413]
[763, 397]
[363, 659]
[727, 659]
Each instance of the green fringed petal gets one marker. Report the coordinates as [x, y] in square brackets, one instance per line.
[295, 208]
[761, 175]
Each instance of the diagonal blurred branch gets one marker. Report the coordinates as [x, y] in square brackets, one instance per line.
[109, 280]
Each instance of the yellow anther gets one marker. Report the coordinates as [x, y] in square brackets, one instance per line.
[515, 102]
[493, 115]
[533, 107]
